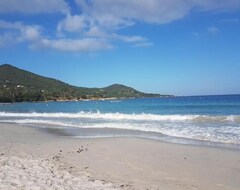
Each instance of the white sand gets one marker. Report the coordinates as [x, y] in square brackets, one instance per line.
[35, 174]
[31, 158]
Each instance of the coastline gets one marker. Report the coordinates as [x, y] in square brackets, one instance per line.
[90, 99]
[125, 163]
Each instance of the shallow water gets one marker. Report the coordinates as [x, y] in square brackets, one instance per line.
[189, 120]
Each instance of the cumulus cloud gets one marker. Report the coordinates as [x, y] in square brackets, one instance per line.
[17, 32]
[14, 32]
[33, 6]
[76, 23]
[121, 12]
[89, 27]
[104, 18]
[97, 32]
[99, 22]
[30, 33]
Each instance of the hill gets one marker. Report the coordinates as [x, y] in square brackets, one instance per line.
[17, 85]
[118, 90]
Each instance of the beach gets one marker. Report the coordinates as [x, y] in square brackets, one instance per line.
[31, 158]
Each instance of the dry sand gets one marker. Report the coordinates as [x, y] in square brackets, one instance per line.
[33, 159]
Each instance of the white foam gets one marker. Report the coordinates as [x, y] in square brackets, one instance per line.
[224, 129]
[224, 134]
[121, 116]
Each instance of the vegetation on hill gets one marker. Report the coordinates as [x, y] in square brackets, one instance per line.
[17, 85]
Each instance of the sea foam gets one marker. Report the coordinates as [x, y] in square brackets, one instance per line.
[213, 128]
[122, 116]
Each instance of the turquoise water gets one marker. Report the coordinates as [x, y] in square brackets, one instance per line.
[192, 120]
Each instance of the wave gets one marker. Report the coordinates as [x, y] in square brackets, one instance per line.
[122, 116]
[225, 129]
[221, 134]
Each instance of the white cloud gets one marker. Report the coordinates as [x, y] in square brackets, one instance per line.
[151, 11]
[33, 6]
[100, 22]
[96, 32]
[18, 32]
[76, 23]
[123, 13]
[74, 45]
[104, 18]
[87, 27]
[31, 33]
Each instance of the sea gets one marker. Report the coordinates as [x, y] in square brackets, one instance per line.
[196, 120]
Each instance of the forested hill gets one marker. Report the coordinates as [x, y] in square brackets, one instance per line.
[17, 85]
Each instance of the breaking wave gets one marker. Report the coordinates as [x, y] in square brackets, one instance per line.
[223, 129]
[121, 116]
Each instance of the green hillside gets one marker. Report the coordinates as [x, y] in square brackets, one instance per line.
[17, 85]
[118, 90]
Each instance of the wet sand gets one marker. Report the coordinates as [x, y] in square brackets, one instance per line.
[43, 160]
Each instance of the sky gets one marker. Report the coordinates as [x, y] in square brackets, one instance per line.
[179, 47]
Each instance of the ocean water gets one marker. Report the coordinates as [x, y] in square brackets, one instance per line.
[208, 120]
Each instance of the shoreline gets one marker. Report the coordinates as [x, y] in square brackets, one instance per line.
[125, 163]
[126, 134]
[90, 99]
[135, 134]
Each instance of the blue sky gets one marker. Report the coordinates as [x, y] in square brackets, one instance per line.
[180, 47]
